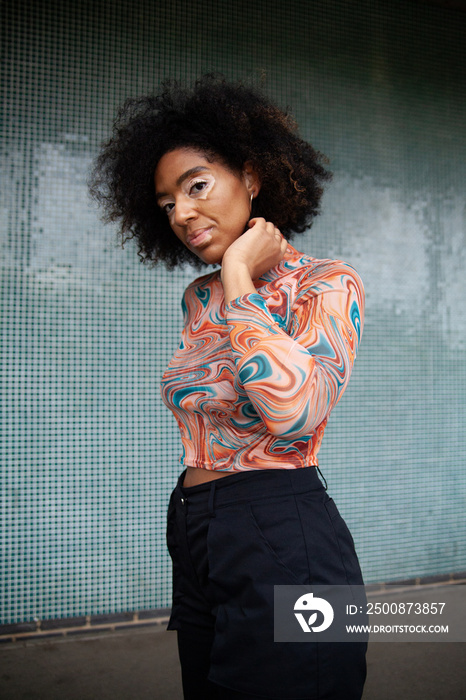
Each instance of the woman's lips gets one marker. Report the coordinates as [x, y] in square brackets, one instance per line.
[197, 238]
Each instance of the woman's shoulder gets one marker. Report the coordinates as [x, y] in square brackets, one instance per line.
[327, 269]
[304, 272]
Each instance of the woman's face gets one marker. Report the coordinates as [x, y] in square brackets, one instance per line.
[208, 206]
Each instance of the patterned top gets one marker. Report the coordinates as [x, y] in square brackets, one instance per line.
[253, 383]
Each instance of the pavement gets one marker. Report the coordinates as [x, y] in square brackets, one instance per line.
[140, 663]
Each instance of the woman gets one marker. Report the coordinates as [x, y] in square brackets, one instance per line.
[218, 175]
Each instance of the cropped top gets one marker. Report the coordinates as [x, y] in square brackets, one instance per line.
[252, 383]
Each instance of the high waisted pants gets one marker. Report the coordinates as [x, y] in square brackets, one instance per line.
[231, 541]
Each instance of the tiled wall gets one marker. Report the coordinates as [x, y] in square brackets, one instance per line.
[89, 453]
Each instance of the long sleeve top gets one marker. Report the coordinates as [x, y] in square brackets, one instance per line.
[252, 383]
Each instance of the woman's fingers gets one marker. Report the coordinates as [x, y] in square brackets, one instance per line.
[260, 248]
[250, 256]
[261, 226]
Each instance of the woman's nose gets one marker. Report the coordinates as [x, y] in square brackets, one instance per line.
[184, 211]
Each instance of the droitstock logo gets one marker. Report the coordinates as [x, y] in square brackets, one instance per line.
[309, 603]
[318, 613]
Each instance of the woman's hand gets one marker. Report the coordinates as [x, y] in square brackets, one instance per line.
[254, 253]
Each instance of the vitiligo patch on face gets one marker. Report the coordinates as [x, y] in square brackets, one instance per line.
[208, 182]
[197, 188]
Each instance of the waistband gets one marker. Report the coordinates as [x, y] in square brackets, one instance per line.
[246, 486]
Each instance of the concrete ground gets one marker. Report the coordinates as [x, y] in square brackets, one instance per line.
[141, 664]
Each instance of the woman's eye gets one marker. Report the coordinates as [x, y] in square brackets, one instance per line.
[168, 207]
[198, 187]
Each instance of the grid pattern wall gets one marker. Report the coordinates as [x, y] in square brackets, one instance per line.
[89, 452]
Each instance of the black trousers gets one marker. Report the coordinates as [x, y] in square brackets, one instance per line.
[231, 541]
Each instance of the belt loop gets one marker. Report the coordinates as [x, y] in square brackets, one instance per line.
[211, 499]
[323, 478]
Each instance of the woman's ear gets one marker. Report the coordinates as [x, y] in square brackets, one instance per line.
[251, 179]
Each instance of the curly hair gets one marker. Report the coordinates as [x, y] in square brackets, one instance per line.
[228, 122]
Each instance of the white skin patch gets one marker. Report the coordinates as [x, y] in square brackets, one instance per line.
[198, 187]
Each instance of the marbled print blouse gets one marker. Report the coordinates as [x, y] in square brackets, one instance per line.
[253, 383]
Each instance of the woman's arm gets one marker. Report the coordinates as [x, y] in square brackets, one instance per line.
[294, 380]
